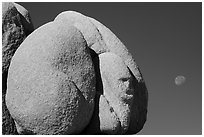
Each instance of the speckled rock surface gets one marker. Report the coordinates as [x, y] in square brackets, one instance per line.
[51, 82]
[13, 33]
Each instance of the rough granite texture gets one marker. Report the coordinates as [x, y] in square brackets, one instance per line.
[14, 31]
[51, 82]
[103, 89]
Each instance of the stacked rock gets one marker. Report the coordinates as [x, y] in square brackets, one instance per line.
[16, 26]
[74, 76]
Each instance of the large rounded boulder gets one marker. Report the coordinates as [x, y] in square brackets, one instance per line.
[51, 82]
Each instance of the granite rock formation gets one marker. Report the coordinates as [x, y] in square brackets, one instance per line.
[101, 40]
[76, 77]
[14, 31]
[51, 82]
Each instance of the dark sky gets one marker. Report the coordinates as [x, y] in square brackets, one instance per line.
[165, 39]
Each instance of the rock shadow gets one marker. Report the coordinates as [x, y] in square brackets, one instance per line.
[93, 128]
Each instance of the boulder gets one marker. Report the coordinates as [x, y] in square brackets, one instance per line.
[51, 82]
[13, 33]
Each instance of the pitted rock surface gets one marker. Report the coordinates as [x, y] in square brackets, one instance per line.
[106, 91]
[14, 31]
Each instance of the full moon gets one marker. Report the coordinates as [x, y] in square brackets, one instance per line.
[179, 80]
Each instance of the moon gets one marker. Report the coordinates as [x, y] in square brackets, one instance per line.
[180, 80]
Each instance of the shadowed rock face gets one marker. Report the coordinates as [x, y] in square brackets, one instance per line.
[74, 76]
[14, 31]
